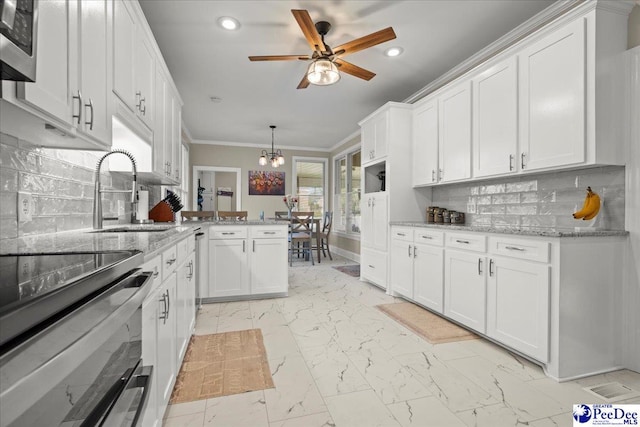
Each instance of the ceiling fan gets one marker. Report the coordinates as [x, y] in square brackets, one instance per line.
[327, 61]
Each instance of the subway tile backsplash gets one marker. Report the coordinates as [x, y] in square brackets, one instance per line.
[61, 184]
[544, 200]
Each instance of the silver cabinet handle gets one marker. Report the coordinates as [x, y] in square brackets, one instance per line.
[515, 248]
[79, 98]
[143, 106]
[168, 303]
[228, 233]
[269, 232]
[466, 242]
[440, 174]
[244, 243]
[371, 266]
[400, 234]
[522, 160]
[155, 272]
[90, 122]
[510, 162]
[369, 202]
[491, 267]
[433, 175]
[165, 311]
[254, 245]
[479, 266]
[171, 261]
[427, 237]
[139, 100]
[415, 251]
[409, 247]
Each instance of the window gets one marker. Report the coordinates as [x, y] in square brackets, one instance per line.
[310, 183]
[347, 192]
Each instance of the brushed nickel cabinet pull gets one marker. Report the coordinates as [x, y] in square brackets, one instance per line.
[90, 122]
[466, 242]
[79, 98]
[515, 248]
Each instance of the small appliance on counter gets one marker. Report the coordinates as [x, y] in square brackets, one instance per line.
[165, 209]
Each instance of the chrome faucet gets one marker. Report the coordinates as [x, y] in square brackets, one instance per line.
[97, 198]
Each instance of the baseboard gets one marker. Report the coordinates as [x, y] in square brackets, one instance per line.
[346, 254]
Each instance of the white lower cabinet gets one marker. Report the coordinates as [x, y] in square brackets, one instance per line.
[417, 265]
[168, 317]
[465, 288]
[247, 260]
[518, 305]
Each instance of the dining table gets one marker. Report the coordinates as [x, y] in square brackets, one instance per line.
[316, 228]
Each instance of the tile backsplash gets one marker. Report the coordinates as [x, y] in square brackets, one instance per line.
[544, 200]
[61, 184]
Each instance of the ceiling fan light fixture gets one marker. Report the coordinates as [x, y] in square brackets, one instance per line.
[323, 72]
[228, 23]
[394, 51]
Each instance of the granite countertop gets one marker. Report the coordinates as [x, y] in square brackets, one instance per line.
[249, 222]
[88, 240]
[541, 232]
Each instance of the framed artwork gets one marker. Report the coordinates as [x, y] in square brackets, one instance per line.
[266, 183]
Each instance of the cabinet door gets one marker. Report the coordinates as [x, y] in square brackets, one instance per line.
[191, 294]
[124, 49]
[428, 280]
[159, 127]
[425, 143]
[464, 288]
[380, 221]
[368, 136]
[401, 267]
[552, 99]
[228, 268]
[373, 267]
[168, 131]
[518, 305]
[177, 141]
[166, 361]
[374, 138]
[366, 218]
[95, 87]
[182, 273]
[455, 133]
[144, 75]
[495, 119]
[52, 92]
[381, 135]
[269, 270]
[149, 353]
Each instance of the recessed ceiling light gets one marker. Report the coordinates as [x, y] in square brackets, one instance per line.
[394, 51]
[228, 23]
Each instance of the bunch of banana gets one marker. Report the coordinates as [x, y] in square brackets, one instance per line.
[591, 206]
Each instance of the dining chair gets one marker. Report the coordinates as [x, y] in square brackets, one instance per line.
[301, 232]
[232, 215]
[281, 214]
[194, 215]
[323, 235]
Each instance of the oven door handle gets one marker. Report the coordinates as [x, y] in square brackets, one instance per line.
[145, 381]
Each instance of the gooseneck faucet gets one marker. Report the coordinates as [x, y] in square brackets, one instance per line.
[97, 198]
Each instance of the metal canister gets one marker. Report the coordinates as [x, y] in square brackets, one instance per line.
[431, 214]
[457, 217]
[438, 215]
[446, 216]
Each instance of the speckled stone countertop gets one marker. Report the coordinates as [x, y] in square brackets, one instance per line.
[249, 222]
[540, 232]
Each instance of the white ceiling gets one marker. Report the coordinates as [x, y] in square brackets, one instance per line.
[207, 61]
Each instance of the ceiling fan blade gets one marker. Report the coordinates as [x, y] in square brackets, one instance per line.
[365, 42]
[304, 83]
[309, 30]
[279, 58]
[354, 70]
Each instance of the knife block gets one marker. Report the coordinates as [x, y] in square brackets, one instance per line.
[161, 212]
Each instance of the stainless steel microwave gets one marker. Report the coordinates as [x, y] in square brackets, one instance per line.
[18, 39]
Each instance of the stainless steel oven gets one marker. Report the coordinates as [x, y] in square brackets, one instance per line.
[70, 339]
[18, 39]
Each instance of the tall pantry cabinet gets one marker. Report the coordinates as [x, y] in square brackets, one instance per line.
[386, 147]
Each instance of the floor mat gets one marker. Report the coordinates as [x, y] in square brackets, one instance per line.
[222, 364]
[351, 270]
[429, 326]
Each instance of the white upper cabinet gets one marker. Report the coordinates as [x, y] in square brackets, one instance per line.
[72, 84]
[495, 119]
[425, 143]
[375, 138]
[454, 107]
[552, 99]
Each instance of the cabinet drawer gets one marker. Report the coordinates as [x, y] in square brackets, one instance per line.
[429, 237]
[169, 261]
[402, 233]
[182, 249]
[154, 265]
[533, 250]
[228, 232]
[374, 267]
[468, 241]
[268, 232]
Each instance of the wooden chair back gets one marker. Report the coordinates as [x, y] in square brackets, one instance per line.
[282, 214]
[232, 215]
[191, 215]
[328, 221]
[302, 223]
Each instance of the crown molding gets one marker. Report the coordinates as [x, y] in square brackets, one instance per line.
[344, 141]
[261, 146]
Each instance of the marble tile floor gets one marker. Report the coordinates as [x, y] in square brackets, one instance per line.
[338, 361]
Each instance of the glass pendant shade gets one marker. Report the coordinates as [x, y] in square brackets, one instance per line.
[281, 159]
[262, 161]
[323, 72]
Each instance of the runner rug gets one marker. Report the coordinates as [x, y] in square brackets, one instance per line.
[351, 270]
[222, 364]
[429, 326]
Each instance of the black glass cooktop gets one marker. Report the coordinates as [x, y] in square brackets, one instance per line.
[34, 286]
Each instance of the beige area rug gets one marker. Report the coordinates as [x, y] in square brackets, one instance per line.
[429, 326]
[222, 364]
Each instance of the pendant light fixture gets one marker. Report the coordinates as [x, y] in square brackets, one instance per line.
[274, 157]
